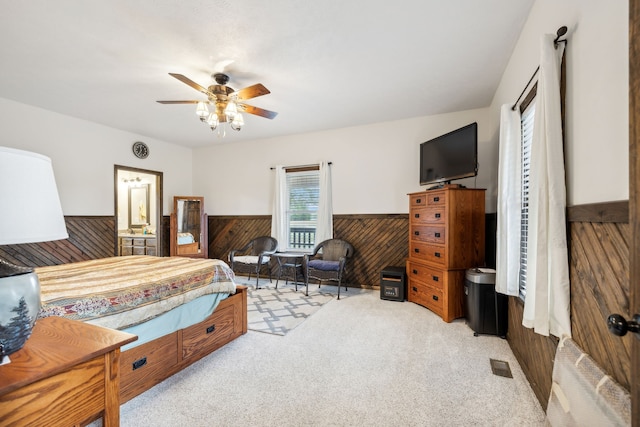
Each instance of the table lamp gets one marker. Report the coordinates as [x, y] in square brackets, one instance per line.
[30, 212]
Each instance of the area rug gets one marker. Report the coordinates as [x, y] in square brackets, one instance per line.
[278, 311]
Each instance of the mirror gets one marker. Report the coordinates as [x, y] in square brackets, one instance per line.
[189, 227]
[139, 206]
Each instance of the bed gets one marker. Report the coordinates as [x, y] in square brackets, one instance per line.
[180, 308]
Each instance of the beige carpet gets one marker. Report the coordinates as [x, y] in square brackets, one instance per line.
[278, 311]
[360, 361]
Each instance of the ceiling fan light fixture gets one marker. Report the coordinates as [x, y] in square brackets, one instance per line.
[212, 121]
[237, 122]
[224, 104]
[231, 111]
[202, 111]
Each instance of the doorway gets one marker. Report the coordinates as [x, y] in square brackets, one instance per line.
[138, 211]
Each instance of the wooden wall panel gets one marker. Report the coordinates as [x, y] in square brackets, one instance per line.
[599, 287]
[89, 238]
[378, 240]
[599, 239]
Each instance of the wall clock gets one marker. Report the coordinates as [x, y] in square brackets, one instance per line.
[140, 149]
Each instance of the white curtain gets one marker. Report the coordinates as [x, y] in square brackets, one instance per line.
[509, 200]
[324, 229]
[279, 214]
[546, 307]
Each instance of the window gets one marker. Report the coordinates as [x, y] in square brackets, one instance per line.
[303, 195]
[526, 122]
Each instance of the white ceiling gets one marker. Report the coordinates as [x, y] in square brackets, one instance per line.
[328, 63]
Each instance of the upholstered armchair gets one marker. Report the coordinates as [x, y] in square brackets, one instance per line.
[253, 256]
[327, 262]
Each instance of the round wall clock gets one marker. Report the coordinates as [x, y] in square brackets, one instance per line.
[141, 150]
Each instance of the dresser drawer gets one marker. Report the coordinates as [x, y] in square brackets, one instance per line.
[430, 276]
[151, 242]
[428, 233]
[146, 364]
[139, 242]
[209, 334]
[426, 296]
[151, 251]
[428, 215]
[433, 254]
[139, 250]
[436, 198]
[126, 250]
[417, 200]
[125, 241]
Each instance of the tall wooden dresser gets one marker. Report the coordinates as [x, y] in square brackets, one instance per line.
[446, 237]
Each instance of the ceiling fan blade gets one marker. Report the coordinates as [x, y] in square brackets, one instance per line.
[258, 111]
[190, 82]
[178, 102]
[252, 91]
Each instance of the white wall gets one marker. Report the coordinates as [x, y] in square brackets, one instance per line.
[84, 154]
[597, 101]
[374, 167]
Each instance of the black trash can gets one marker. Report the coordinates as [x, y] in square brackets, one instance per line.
[486, 310]
[393, 283]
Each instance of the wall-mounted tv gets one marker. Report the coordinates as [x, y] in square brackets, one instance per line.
[450, 156]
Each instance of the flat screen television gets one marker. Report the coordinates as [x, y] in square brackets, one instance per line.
[450, 156]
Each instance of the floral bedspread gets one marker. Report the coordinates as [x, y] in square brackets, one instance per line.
[120, 292]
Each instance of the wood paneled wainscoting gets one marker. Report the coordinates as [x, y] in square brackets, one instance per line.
[90, 237]
[599, 238]
[379, 240]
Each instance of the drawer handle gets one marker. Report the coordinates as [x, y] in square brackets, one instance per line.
[437, 234]
[436, 199]
[211, 329]
[418, 200]
[416, 215]
[417, 233]
[416, 250]
[437, 254]
[415, 271]
[139, 363]
[414, 289]
[435, 278]
[435, 297]
[437, 215]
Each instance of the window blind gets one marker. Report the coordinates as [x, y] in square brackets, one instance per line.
[526, 122]
[303, 188]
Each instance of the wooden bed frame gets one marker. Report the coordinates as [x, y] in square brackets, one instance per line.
[148, 364]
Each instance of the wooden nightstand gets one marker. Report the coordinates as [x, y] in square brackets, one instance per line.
[66, 374]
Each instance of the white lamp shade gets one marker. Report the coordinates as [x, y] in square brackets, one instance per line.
[30, 207]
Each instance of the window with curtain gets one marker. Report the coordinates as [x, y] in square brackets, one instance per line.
[303, 196]
[526, 122]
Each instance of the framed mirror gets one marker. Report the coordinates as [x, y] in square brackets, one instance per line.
[189, 227]
[139, 213]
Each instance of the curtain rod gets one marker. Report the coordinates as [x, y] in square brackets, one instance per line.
[561, 32]
[301, 166]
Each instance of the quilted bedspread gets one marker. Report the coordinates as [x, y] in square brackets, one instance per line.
[120, 292]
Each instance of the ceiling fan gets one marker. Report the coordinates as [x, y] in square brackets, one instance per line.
[226, 103]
